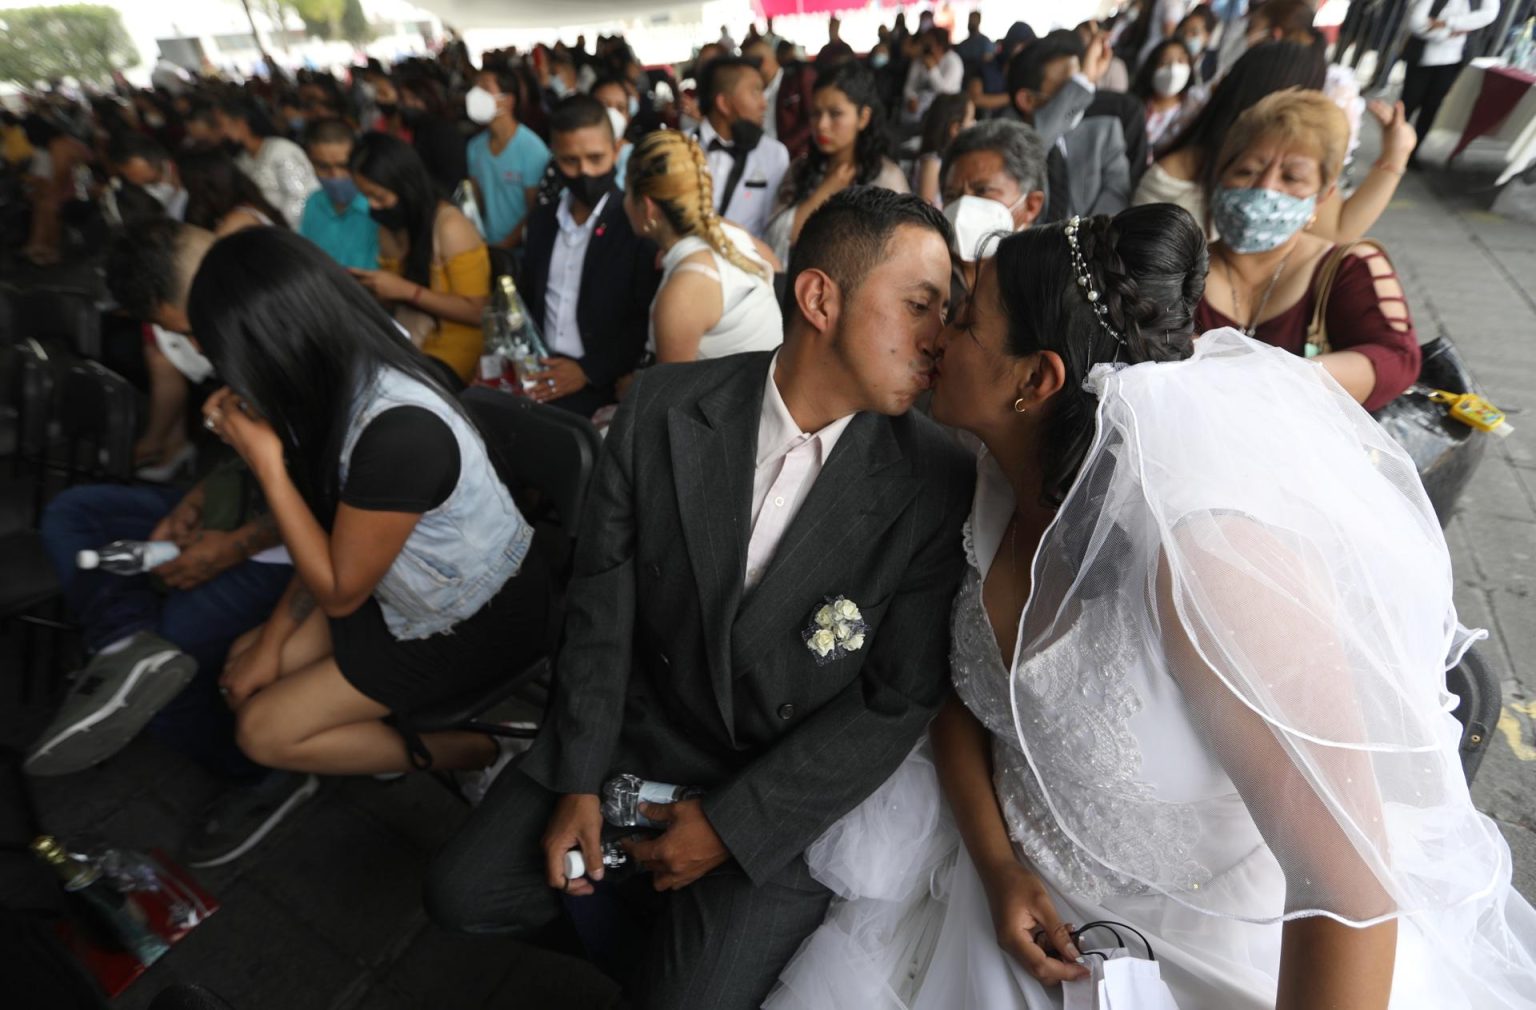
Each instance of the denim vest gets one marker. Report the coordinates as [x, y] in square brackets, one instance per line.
[460, 553]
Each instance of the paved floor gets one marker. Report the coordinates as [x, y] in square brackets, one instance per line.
[1472, 275]
[326, 914]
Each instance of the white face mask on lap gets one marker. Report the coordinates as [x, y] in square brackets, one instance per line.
[479, 105]
[1169, 79]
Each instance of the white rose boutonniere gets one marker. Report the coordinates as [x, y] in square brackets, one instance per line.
[837, 629]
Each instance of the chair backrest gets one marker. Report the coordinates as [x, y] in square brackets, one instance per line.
[97, 416]
[545, 455]
[69, 318]
[27, 383]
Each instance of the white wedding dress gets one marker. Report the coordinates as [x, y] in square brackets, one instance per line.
[1227, 708]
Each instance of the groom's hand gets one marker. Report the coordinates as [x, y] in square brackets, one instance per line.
[686, 850]
[576, 823]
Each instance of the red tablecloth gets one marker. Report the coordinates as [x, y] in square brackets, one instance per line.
[1503, 87]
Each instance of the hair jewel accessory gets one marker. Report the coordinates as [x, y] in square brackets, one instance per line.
[1085, 279]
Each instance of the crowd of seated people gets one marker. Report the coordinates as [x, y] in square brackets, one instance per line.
[306, 263]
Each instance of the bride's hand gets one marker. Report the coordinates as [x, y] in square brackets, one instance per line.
[1028, 927]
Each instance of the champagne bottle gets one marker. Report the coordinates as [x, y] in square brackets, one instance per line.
[511, 333]
[102, 904]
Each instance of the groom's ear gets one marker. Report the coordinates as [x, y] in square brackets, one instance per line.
[818, 299]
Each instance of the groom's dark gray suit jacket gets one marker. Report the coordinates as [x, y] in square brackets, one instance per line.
[669, 670]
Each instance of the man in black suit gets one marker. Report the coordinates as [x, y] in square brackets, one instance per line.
[587, 278]
[735, 502]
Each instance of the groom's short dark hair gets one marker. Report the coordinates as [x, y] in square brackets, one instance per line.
[848, 235]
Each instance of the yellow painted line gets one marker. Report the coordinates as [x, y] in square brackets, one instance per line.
[1509, 725]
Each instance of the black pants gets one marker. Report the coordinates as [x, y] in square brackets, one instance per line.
[719, 942]
[1424, 88]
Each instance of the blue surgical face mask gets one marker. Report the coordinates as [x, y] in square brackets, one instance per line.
[877, 61]
[340, 192]
[1258, 220]
[558, 86]
[633, 106]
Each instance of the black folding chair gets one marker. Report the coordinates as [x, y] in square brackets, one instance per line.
[546, 457]
[1481, 700]
[28, 379]
[91, 430]
[68, 318]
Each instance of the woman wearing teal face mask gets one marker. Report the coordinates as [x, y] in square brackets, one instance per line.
[1340, 304]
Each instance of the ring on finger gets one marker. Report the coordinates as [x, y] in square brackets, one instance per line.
[211, 423]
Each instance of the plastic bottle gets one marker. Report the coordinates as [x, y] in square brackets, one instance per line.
[623, 794]
[129, 557]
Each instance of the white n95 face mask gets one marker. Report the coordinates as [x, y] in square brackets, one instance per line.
[479, 105]
[1169, 80]
[178, 350]
[979, 224]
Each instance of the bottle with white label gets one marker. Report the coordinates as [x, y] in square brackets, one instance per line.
[623, 794]
[129, 557]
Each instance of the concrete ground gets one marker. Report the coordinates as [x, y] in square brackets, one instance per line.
[1471, 274]
[326, 913]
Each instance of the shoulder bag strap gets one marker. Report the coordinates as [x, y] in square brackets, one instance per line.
[1322, 286]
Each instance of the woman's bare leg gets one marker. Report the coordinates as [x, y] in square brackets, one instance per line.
[313, 720]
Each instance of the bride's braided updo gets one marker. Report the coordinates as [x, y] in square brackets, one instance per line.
[1147, 267]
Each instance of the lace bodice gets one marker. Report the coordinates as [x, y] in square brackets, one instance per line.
[1074, 692]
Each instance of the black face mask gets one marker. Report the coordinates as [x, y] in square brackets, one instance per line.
[392, 218]
[587, 190]
[745, 135]
[233, 148]
[411, 116]
[387, 109]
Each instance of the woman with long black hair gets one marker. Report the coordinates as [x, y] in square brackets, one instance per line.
[414, 577]
[848, 148]
[435, 270]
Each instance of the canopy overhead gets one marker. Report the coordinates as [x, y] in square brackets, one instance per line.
[468, 14]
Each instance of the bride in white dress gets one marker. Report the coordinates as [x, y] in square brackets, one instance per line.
[1228, 609]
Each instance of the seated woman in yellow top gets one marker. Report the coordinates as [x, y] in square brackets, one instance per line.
[435, 271]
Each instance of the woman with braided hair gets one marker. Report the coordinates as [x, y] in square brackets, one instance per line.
[716, 296]
[1199, 666]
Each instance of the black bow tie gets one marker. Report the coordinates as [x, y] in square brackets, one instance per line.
[716, 144]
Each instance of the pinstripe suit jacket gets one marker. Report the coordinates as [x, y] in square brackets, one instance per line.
[670, 670]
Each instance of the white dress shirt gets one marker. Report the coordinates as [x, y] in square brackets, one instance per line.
[944, 78]
[788, 463]
[771, 95]
[754, 198]
[1442, 46]
[564, 287]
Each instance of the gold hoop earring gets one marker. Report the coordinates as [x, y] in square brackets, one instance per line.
[1019, 407]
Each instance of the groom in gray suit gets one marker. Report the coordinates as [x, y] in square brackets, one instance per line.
[759, 609]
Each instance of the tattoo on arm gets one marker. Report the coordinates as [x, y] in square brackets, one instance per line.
[259, 534]
[301, 606]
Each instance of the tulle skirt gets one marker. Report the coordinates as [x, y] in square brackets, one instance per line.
[911, 929]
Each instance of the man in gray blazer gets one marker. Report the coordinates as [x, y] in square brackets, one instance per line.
[1088, 170]
[735, 501]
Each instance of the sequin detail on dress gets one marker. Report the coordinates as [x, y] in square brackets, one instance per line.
[1076, 706]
